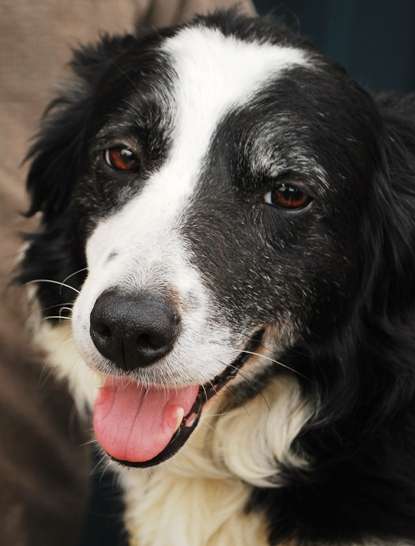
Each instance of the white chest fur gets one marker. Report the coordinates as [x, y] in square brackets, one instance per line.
[166, 509]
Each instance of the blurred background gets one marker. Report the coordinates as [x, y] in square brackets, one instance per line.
[373, 39]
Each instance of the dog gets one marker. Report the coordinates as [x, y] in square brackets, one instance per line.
[226, 261]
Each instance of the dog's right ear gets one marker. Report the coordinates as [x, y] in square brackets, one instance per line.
[56, 153]
[55, 251]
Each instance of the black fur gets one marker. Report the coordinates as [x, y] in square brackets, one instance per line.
[362, 482]
[347, 265]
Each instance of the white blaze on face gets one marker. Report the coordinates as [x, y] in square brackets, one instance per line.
[214, 74]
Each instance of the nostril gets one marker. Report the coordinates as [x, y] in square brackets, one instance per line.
[102, 330]
[148, 342]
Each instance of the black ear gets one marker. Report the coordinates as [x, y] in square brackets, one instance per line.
[56, 156]
[378, 349]
[385, 332]
[56, 153]
[364, 376]
[365, 370]
[393, 211]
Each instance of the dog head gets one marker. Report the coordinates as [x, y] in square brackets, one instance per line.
[215, 190]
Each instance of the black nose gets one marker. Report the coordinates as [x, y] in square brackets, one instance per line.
[133, 331]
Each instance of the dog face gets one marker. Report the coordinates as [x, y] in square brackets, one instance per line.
[217, 182]
[191, 222]
[190, 196]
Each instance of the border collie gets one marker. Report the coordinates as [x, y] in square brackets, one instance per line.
[229, 220]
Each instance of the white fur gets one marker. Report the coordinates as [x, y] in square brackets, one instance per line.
[68, 365]
[190, 512]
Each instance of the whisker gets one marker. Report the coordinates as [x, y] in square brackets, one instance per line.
[57, 305]
[261, 344]
[241, 373]
[204, 389]
[251, 382]
[64, 309]
[100, 466]
[45, 374]
[58, 317]
[275, 362]
[74, 273]
[253, 353]
[54, 282]
[89, 443]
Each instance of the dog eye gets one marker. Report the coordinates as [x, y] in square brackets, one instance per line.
[287, 196]
[121, 158]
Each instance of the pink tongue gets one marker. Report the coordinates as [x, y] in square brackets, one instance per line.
[133, 423]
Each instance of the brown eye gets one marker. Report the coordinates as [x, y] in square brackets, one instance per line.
[121, 158]
[287, 196]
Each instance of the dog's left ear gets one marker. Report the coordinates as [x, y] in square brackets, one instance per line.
[385, 333]
[393, 210]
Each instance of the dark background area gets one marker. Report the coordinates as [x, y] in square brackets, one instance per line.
[375, 41]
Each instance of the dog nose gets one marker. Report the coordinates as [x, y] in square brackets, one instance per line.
[133, 331]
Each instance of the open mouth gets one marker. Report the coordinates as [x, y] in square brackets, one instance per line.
[142, 427]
